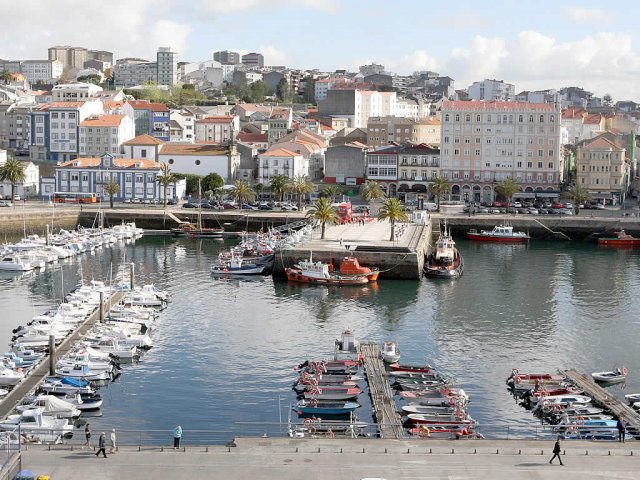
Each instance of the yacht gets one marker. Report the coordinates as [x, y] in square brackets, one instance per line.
[15, 263]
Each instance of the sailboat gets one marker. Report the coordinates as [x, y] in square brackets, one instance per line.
[188, 229]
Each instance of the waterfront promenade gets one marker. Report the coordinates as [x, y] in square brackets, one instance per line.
[284, 458]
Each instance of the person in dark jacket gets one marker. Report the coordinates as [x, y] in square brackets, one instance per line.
[622, 428]
[556, 452]
[101, 445]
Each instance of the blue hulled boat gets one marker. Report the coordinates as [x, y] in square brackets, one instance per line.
[319, 408]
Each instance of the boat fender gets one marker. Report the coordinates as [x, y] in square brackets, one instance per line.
[460, 414]
[514, 372]
[425, 432]
[452, 401]
[625, 371]
[557, 407]
[580, 420]
[314, 402]
[330, 434]
[308, 422]
[518, 379]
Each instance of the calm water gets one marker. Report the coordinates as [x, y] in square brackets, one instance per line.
[224, 350]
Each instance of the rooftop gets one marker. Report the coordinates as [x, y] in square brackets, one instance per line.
[481, 105]
[90, 162]
[202, 149]
[144, 140]
[103, 121]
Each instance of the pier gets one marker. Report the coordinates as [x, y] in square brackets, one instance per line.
[37, 375]
[384, 406]
[600, 396]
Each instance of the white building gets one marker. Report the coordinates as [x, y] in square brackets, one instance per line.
[182, 126]
[41, 71]
[358, 105]
[74, 92]
[131, 72]
[64, 120]
[484, 143]
[227, 71]
[201, 159]
[101, 134]
[280, 161]
[167, 65]
[26, 189]
[492, 90]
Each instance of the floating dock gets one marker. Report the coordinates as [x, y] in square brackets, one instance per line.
[384, 406]
[41, 370]
[600, 396]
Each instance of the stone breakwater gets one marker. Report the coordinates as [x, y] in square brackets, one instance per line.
[16, 221]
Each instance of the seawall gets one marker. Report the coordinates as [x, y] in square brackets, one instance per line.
[15, 221]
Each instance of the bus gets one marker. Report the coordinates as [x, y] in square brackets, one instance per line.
[75, 197]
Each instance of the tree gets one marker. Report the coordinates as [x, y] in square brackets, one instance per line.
[283, 91]
[93, 78]
[607, 100]
[257, 189]
[371, 191]
[278, 186]
[192, 181]
[165, 179]
[6, 76]
[439, 187]
[579, 195]
[12, 171]
[507, 188]
[301, 185]
[213, 182]
[241, 192]
[323, 212]
[393, 211]
[258, 91]
[331, 192]
[111, 188]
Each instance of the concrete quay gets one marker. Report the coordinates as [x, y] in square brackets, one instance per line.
[331, 459]
[370, 244]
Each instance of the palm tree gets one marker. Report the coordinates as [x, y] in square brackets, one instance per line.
[393, 211]
[323, 212]
[439, 187]
[257, 188]
[241, 192]
[507, 188]
[331, 192]
[278, 186]
[371, 191]
[579, 195]
[111, 188]
[165, 179]
[12, 171]
[301, 185]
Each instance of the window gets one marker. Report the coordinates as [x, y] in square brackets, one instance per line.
[477, 118]
[488, 118]
[457, 118]
[139, 178]
[72, 115]
[71, 125]
[143, 153]
[54, 125]
[197, 162]
[540, 153]
[74, 177]
[446, 117]
[519, 164]
[149, 177]
[85, 177]
[551, 153]
[446, 139]
[127, 178]
[539, 164]
[54, 115]
[541, 118]
[477, 152]
[467, 118]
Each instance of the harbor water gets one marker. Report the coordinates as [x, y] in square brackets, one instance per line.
[224, 349]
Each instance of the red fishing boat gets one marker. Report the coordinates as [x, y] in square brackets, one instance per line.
[621, 239]
[318, 273]
[396, 367]
[499, 234]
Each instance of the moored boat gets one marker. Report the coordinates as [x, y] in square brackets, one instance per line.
[621, 239]
[318, 273]
[322, 408]
[238, 266]
[446, 261]
[195, 231]
[426, 368]
[500, 233]
[351, 266]
[619, 375]
[390, 352]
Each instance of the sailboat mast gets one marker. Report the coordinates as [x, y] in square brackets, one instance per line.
[199, 206]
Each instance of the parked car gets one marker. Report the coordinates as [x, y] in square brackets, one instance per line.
[247, 206]
[126, 200]
[569, 205]
[16, 198]
[483, 210]
[5, 203]
[565, 211]
[288, 206]
[172, 201]
[557, 205]
[265, 206]
[495, 210]
[533, 211]
[517, 204]
[229, 206]
[600, 206]
[189, 205]
[136, 200]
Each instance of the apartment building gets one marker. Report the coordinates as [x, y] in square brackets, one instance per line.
[280, 161]
[167, 66]
[64, 122]
[39, 147]
[217, 128]
[101, 134]
[70, 57]
[41, 71]
[227, 57]
[149, 118]
[601, 168]
[74, 92]
[253, 60]
[427, 130]
[15, 125]
[492, 90]
[483, 143]
[357, 106]
[130, 72]
[382, 131]
[279, 123]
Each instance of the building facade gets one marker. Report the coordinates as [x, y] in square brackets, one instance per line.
[26, 189]
[492, 90]
[280, 161]
[382, 131]
[217, 129]
[65, 119]
[345, 164]
[601, 169]
[149, 118]
[484, 143]
[41, 71]
[101, 134]
[167, 65]
[130, 72]
[225, 56]
[253, 60]
[70, 57]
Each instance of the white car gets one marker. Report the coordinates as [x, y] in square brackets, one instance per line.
[288, 206]
[517, 205]
[599, 206]
[5, 203]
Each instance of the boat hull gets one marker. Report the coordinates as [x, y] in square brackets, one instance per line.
[294, 275]
[480, 237]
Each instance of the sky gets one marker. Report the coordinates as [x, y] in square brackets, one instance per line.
[535, 45]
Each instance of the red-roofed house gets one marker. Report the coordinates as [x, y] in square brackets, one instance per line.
[217, 128]
[280, 121]
[65, 118]
[281, 161]
[150, 118]
[601, 169]
[105, 134]
[257, 140]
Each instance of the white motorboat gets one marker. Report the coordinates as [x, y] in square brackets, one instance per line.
[58, 387]
[562, 401]
[111, 345]
[142, 299]
[31, 259]
[619, 375]
[14, 263]
[93, 402]
[51, 406]
[27, 354]
[83, 361]
[82, 372]
[37, 337]
[47, 429]
[9, 377]
[632, 397]
[3, 392]
[347, 347]
[390, 352]
[152, 290]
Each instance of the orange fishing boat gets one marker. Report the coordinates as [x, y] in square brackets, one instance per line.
[351, 266]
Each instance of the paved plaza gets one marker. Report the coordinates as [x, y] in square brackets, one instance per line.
[278, 459]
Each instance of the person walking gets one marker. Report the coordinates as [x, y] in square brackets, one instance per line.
[556, 452]
[622, 428]
[112, 438]
[101, 445]
[177, 435]
[87, 434]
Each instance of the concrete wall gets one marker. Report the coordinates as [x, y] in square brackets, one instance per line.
[14, 221]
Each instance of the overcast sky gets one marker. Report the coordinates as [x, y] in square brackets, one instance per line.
[534, 44]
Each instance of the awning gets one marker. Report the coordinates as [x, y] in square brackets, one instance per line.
[547, 195]
[418, 188]
[524, 195]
